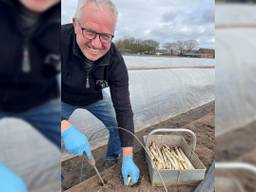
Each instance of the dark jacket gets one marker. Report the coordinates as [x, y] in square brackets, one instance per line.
[19, 90]
[110, 69]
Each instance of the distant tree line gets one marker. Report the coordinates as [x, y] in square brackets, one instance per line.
[181, 46]
[137, 46]
[151, 47]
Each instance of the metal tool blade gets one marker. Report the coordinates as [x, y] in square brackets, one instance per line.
[93, 164]
[95, 168]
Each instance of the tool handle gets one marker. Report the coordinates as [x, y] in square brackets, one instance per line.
[236, 166]
[91, 161]
[177, 130]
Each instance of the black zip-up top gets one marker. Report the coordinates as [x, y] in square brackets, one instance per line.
[29, 57]
[81, 83]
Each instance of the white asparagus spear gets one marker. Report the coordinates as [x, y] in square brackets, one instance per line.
[187, 160]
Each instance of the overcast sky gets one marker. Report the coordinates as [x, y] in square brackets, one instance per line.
[160, 20]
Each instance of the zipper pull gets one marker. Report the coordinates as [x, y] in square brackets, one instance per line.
[26, 68]
[87, 86]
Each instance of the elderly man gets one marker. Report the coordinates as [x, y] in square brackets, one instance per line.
[29, 63]
[90, 63]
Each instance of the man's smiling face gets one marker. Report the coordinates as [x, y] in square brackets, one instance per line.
[94, 19]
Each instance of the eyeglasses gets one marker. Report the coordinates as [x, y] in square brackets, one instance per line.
[105, 38]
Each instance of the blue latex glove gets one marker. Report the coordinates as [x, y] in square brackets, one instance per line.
[9, 181]
[130, 169]
[76, 143]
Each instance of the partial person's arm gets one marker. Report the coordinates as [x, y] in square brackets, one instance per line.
[119, 88]
[65, 124]
[74, 141]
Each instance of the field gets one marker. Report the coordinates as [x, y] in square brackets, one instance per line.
[238, 145]
[200, 120]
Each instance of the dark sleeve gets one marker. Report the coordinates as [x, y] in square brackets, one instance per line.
[119, 88]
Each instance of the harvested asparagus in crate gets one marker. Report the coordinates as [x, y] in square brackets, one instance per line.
[165, 157]
[171, 159]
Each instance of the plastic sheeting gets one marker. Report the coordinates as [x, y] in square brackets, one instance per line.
[159, 95]
[235, 14]
[225, 14]
[235, 68]
[147, 62]
[156, 95]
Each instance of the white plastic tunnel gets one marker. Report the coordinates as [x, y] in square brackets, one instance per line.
[157, 94]
[235, 66]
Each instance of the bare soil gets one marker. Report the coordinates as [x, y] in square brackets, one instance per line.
[239, 146]
[200, 120]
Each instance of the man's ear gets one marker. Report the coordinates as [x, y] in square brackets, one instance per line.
[74, 23]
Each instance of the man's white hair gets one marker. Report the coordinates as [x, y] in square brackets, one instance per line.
[100, 3]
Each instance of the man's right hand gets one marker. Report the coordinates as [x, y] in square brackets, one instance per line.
[76, 143]
[9, 181]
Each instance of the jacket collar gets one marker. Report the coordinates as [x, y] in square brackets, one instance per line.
[103, 61]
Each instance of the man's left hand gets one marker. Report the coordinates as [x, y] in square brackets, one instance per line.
[129, 168]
